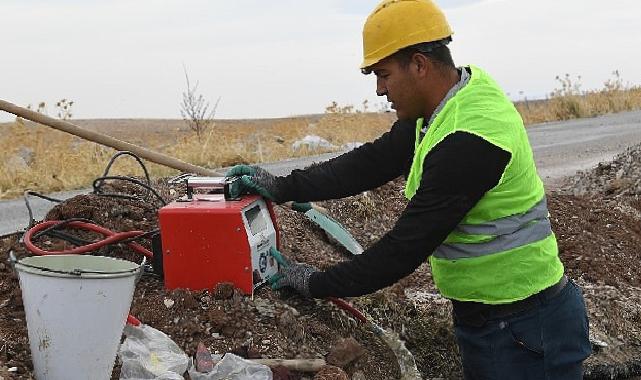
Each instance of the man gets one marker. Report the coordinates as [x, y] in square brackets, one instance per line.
[477, 208]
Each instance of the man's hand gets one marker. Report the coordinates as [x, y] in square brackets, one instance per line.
[294, 275]
[253, 180]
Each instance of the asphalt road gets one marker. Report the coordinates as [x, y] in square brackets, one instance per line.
[560, 149]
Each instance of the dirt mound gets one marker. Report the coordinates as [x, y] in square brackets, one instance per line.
[598, 241]
[600, 245]
[619, 177]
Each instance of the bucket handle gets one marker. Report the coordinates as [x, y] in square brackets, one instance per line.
[141, 270]
[12, 260]
[78, 272]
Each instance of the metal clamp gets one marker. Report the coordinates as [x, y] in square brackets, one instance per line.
[216, 184]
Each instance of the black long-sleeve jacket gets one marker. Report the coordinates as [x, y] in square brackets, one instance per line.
[456, 174]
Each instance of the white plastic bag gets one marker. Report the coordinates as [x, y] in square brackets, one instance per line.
[149, 354]
[233, 367]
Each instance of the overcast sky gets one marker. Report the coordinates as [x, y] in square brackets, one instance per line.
[124, 58]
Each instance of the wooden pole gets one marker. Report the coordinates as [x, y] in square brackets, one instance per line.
[99, 138]
[301, 365]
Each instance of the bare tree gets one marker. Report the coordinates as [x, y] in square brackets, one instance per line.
[195, 110]
[64, 109]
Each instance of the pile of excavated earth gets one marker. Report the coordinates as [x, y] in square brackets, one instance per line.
[596, 216]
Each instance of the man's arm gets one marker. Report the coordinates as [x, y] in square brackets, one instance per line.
[366, 167]
[456, 174]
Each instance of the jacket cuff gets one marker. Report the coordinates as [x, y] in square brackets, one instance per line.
[316, 285]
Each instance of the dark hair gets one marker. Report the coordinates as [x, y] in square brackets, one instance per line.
[437, 52]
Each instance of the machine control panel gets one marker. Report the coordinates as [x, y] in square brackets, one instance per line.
[261, 236]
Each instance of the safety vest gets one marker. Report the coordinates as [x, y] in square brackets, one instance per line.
[504, 249]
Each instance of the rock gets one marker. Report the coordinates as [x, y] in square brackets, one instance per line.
[204, 361]
[344, 352]
[282, 373]
[224, 291]
[185, 299]
[26, 154]
[15, 164]
[237, 297]
[21, 160]
[329, 372]
[264, 307]
[247, 352]
[217, 319]
[190, 302]
[5, 373]
[290, 326]
[168, 303]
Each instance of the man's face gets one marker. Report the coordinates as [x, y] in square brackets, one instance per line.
[399, 85]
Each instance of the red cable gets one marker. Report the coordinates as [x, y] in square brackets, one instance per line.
[341, 303]
[112, 237]
[131, 320]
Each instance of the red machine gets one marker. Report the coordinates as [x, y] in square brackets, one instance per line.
[210, 238]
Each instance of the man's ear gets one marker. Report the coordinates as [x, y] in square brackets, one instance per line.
[421, 63]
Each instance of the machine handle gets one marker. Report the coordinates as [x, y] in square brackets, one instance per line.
[305, 206]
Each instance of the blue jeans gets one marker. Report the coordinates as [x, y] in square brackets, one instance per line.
[547, 342]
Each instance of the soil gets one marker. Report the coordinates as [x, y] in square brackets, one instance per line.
[599, 240]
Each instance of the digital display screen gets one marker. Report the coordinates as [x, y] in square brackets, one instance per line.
[255, 219]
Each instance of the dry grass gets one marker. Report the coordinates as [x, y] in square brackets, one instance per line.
[569, 101]
[39, 158]
[42, 159]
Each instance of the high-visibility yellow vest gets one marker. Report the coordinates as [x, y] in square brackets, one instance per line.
[504, 249]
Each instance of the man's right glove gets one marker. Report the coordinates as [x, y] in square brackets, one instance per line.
[254, 180]
[292, 274]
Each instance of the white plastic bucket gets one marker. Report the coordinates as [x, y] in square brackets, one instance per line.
[76, 307]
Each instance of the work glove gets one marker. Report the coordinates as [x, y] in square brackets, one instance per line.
[253, 180]
[292, 274]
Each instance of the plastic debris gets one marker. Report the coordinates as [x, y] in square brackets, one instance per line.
[149, 354]
[312, 142]
[233, 367]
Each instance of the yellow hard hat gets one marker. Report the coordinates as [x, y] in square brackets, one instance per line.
[396, 24]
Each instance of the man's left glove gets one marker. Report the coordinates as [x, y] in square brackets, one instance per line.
[294, 275]
[254, 180]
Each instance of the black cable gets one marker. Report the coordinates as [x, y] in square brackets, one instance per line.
[180, 178]
[26, 201]
[61, 224]
[69, 238]
[141, 236]
[52, 231]
[125, 152]
[97, 183]
[112, 160]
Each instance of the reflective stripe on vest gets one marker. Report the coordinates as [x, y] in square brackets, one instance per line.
[530, 233]
[508, 224]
